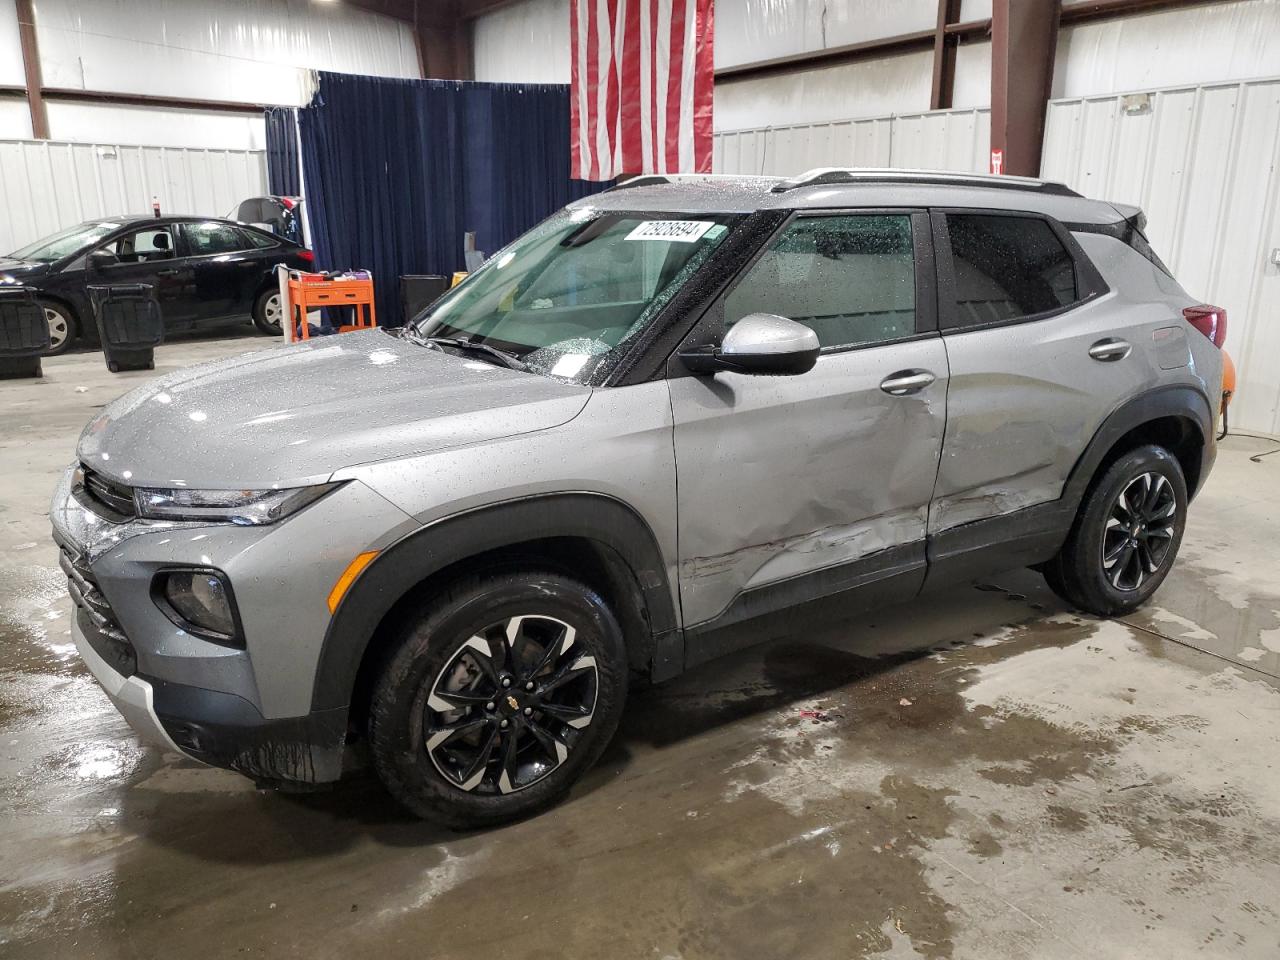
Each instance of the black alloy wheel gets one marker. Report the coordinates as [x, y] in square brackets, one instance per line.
[1139, 531]
[497, 696]
[1125, 536]
[508, 708]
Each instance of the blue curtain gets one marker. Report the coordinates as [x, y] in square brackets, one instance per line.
[282, 152]
[398, 170]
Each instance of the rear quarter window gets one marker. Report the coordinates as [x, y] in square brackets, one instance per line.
[1007, 268]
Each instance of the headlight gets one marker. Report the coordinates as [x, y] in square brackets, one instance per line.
[199, 600]
[244, 507]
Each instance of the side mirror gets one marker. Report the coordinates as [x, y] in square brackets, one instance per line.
[759, 343]
[102, 258]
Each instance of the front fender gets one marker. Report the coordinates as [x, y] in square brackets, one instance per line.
[442, 543]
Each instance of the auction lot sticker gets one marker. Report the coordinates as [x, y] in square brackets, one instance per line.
[673, 231]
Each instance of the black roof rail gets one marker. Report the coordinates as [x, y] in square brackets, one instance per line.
[832, 176]
[653, 179]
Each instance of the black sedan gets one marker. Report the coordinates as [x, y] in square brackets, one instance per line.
[205, 271]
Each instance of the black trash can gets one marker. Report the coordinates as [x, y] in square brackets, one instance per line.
[129, 324]
[24, 333]
[419, 291]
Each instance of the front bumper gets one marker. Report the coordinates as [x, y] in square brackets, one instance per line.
[219, 729]
[131, 695]
[248, 709]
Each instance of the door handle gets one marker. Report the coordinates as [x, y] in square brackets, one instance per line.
[166, 273]
[1110, 348]
[906, 382]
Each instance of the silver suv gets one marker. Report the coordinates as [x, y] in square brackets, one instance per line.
[674, 419]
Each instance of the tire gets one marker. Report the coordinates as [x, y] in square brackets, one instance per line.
[1119, 552]
[62, 327]
[531, 623]
[268, 312]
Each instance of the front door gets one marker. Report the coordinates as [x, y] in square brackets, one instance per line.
[796, 488]
[148, 255]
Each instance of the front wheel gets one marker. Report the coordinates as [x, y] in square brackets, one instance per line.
[268, 312]
[62, 329]
[498, 698]
[1125, 537]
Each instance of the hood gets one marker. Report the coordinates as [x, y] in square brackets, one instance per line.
[22, 268]
[292, 415]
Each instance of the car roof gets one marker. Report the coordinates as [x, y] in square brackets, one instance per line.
[843, 188]
[141, 219]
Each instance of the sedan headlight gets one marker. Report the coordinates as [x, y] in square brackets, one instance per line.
[244, 507]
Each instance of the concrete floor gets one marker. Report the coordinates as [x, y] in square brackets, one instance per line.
[981, 775]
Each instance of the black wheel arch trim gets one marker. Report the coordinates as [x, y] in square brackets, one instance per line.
[600, 518]
[1182, 401]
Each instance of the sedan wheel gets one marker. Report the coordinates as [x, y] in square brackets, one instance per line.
[268, 312]
[271, 312]
[61, 332]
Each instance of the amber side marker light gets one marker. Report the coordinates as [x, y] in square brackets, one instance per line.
[354, 569]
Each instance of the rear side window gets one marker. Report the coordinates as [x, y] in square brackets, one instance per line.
[256, 240]
[212, 237]
[849, 278]
[1007, 268]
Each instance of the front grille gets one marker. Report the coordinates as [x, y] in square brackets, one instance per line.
[109, 499]
[102, 629]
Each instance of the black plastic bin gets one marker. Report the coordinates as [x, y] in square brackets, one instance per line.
[24, 333]
[129, 324]
[419, 291]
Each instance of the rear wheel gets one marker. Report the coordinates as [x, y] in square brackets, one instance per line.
[268, 312]
[498, 698]
[1125, 537]
[62, 329]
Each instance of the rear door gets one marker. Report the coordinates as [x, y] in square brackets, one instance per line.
[225, 266]
[1027, 321]
[793, 488]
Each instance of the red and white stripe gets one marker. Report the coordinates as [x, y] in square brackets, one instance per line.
[641, 95]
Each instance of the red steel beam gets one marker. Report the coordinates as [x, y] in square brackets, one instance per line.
[944, 56]
[31, 61]
[1024, 35]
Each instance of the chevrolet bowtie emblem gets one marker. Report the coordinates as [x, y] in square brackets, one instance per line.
[513, 703]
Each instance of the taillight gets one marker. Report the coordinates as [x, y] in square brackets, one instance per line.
[1211, 321]
[307, 256]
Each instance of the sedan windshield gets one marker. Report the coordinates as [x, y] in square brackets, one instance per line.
[65, 243]
[565, 298]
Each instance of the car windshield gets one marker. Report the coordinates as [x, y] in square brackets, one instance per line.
[66, 242]
[565, 298]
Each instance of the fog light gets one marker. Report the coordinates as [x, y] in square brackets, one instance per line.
[202, 599]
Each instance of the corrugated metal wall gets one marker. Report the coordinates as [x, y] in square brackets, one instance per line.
[937, 140]
[1204, 163]
[46, 186]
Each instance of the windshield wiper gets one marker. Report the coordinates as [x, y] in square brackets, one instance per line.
[508, 360]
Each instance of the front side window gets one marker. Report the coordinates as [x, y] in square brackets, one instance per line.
[568, 296]
[143, 246]
[213, 237]
[1008, 267]
[851, 279]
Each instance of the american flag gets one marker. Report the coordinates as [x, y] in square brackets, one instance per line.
[641, 92]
